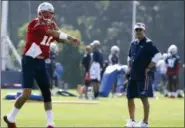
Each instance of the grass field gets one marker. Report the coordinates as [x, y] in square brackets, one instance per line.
[109, 112]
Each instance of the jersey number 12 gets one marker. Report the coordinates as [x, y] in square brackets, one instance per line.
[171, 63]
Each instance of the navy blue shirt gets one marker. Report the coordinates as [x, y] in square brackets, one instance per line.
[86, 61]
[114, 59]
[172, 62]
[98, 57]
[141, 53]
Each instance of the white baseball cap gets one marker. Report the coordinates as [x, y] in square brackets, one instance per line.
[139, 26]
[95, 42]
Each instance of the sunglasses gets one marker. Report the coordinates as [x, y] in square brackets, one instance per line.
[138, 30]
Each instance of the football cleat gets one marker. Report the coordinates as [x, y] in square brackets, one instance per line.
[180, 96]
[9, 124]
[166, 95]
[130, 124]
[142, 124]
[49, 126]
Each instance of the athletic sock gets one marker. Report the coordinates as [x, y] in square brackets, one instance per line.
[12, 115]
[169, 94]
[173, 94]
[49, 115]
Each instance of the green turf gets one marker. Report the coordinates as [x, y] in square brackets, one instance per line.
[110, 112]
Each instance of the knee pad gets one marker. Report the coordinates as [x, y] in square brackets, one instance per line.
[46, 94]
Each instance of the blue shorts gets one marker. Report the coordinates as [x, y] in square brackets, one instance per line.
[140, 89]
[34, 69]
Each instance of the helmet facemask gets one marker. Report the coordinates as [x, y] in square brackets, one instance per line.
[47, 16]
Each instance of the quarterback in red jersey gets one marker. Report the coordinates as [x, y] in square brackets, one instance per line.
[40, 33]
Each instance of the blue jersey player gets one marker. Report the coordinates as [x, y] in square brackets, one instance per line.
[142, 57]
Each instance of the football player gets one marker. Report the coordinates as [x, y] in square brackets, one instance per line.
[114, 59]
[41, 31]
[114, 55]
[173, 66]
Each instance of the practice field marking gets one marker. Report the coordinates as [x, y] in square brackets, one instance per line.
[64, 102]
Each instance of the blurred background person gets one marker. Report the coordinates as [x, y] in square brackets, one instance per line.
[105, 65]
[58, 76]
[122, 81]
[173, 66]
[96, 67]
[86, 63]
[114, 55]
[161, 78]
[51, 65]
[114, 59]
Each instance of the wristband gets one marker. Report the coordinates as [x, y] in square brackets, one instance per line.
[63, 36]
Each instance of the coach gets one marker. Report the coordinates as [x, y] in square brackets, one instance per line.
[143, 55]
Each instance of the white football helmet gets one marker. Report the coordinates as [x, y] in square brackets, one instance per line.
[173, 49]
[114, 49]
[165, 55]
[45, 12]
[54, 47]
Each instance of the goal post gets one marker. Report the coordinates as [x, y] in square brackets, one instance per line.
[6, 43]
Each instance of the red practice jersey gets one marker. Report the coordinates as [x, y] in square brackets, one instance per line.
[36, 35]
[173, 63]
